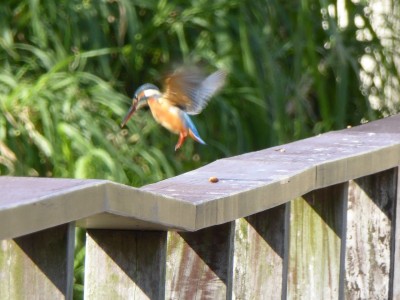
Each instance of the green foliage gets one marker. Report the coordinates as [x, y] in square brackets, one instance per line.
[68, 69]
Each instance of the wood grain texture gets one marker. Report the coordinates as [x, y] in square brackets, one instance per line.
[372, 203]
[30, 204]
[215, 254]
[394, 292]
[200, 263]
[39, 265]
[189, 201]
[259, 270]
[124, 264]
[317, 230]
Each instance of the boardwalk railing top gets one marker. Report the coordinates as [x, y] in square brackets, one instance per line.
[247, 184]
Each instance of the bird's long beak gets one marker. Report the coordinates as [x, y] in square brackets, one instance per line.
[130, 113]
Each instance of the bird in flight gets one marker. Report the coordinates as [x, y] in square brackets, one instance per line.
[186, 92]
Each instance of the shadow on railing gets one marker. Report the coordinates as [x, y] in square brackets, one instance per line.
[313, 219]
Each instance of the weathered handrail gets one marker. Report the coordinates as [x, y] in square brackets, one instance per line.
[282, 245]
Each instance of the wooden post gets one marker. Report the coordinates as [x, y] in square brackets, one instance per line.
[38, 265]
[394, 292]
[317, 233]
[370, 226]
[125, 264]
[260, 255]
[144, 265]
[200, 263]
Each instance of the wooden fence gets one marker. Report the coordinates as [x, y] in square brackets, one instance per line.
[313, 219]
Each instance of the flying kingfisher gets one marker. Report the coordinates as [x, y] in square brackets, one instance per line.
[186, 92]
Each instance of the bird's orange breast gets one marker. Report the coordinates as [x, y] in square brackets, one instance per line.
[167, 115]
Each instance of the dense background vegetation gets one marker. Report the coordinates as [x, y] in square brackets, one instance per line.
[69, 67]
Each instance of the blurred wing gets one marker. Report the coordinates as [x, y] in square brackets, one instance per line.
[208, 87]
[187, 88]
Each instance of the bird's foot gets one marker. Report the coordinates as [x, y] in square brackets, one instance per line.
[180, 141]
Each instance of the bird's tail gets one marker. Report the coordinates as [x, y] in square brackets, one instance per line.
[196, 137]
[193, 133]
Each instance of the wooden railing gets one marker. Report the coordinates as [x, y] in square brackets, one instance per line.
[313, 219]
